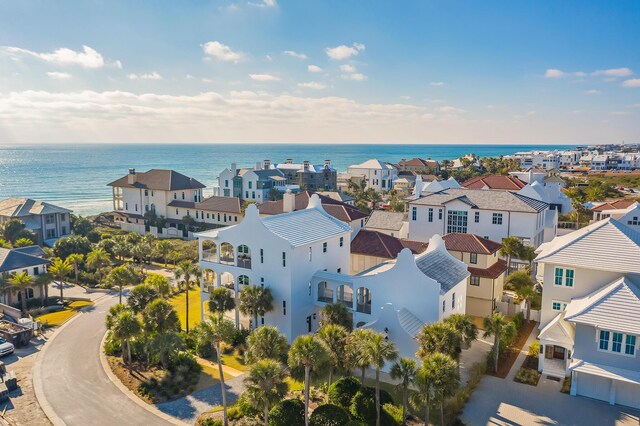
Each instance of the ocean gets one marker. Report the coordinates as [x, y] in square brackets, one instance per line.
[76, 176]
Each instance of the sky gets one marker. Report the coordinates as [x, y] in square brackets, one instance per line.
[320, 71]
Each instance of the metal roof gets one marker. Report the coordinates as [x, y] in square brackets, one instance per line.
[158, 179]
[441, 266]
[21, 207]
[485, 199]
[12, 259]
[381, 219]
[615, 373]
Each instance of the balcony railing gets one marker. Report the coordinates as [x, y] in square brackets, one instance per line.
[227, 259]
[244, 262]
[364, 308]
[209, 255]
[325, 296]
[347, 300]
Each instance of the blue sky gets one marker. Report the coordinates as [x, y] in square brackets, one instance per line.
[320, 71]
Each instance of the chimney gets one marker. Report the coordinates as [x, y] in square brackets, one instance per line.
[305, 165]
[234, 169]
[403, 164]
[258, 165]
[132, 177]
[289, 161]
[288, 201]
[327, 164]
[267, 164]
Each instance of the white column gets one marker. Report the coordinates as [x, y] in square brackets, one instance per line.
[574, 383]
[235, 286]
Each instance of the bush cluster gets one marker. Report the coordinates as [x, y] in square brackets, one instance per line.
[329, 415]
[363, 406]
[289, 412]
[342, 391]
[179, 379]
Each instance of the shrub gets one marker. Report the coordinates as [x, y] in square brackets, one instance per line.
[205, 349]
[233, 412]
[244, 408]
[211, 422]
[342, 391]
[247, 421]
[534, 349]
[329, 415]
[527, 376]
[394, 411]
[363, 406]
[518, 320]
[289, 412]
[240, 338]
[112, 346]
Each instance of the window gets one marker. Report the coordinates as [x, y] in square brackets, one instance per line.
[324, 247]
[51, 233]
[341, 241]
[226, 183]
[175, 195]
[558, 276]
[475, 280]
[617, 342]
[176, 212]
[453, 301]
[568, 280]
[414, 213]
[310, 251]
[136, 206]
[430, 214]
[630, 345]
[250, 185]
[146, 192]
[126, 206]
[439, 214]
[634, 221]
[253, 194]
[604, 340]
[284, 307]
[63, 217]
[444, 305]
[456, 221]
[36, 271]
[473, 258]
[497, 219]
[558, 306]
[476, 217]
[284, 259]
[261, 255]
[64, 230]
[183, 195]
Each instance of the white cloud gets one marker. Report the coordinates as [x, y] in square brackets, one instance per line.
[592, 92]
[265, 3]
[314, 68]
[580, 74]
[620, 113]
[343, 51]
[632, 82]
[554, 73]
[405, 97]
[189, 77]
[437, 83]
[206, 80]
[450, 110]
[347, 68]
[148, 76]
[312, 85]
[613, 72]
[59, 75]
[355, 76]
[294, 54]
[263, 77]
[87, 58]
[222, 52]
[268, 58]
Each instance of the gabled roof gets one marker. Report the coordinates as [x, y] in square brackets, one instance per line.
[372, 164]
[335, 208]
[497, 200]
[33, 250]
[470, 243]
[558, 331]
[158, 179]
[606, 245]
[495, 182]
[21, 207]
[336, 195]
[438, 264]
[381, 219]
[613, 307]
[613, 205]
[377, 244]
[13, 259]
[221, 204]
[493, 271]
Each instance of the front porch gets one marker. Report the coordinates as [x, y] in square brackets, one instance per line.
[556, 348]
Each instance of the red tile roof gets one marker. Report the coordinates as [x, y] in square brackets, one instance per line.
[495, 182]
[494, 271]
[221, 204]
[377, 244]
[335, 208]
[470, 243]
[613, 205]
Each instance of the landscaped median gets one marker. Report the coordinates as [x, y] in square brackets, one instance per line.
[59, 317]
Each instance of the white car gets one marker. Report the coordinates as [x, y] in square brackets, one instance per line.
[6, 348]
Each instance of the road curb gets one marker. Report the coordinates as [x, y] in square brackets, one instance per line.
[132, 396]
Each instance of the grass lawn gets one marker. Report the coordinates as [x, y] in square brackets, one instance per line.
[178, 302]
[234, 360]
[209, 376]
[55, 319]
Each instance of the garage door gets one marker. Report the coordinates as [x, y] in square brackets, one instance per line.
[628, 394]
[593, 386]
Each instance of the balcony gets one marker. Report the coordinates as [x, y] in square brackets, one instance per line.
[326, 296]
[227, 259]
[209, 255]
[364, 308]
[347, 300]
[244, 262]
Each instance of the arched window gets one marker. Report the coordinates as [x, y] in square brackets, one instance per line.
[226, 254]
[344, 295]
[244, 256]
[363, 300]
[243, 280]
[325, 293]
[209, 250]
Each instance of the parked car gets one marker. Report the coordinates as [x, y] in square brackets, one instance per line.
[6, 348]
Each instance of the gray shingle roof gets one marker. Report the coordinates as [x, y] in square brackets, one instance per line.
[442, 267]
[485, 199]
[162, 180]
[34, 250]
[381, 219]
[305, 226]
[12, 259]
[20, 207]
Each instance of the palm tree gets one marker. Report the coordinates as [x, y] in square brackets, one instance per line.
[96, 260]
[511, 247]
[356, 349]
[524, 285]
[423, 381]
[380, 350]
[443, 375]
[265, 386]
[221, 301]
[160, 317]
[187, 272]
[121, 276]
[465, 330]
[125, 327]
[164, 247]
[60, 269]
[498, 326]
[164, 345]
[218, 330]
[404, 370]
[335, 337]
[308, 352]
[266, 343]
[121, 248]
[22, 281]
[160, 283]
[255, 301]
[528, 253]
[337, 313]
[43, 282]
[75, 259]
[437, 337]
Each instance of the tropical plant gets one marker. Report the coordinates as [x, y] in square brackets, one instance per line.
[126, 327]
[437, 337]
[221, 301]
[404, 370]
[342, 391]
[23, 282]
[186, 273]
[43, 281]
[164, 345]
[337, 313]
[524, 286]
[160, 317]
[511, 247]
[442, 373]
[266, 343]
[329, 415]
[265, 386]
[60, 269]
[140, 296]
[335, 338]
[309, 353]
[357, 354]
[255, 301]
[97, 260]
[66, 246]
[121, 249]
[163, 248]
[14, 229]
[75, 259]
[160, 283]
[113, 313]
[289, 412]
[380, 350]
[23, 242]
[119, 276]
[499, 327]
[465, 330]
[528, 253]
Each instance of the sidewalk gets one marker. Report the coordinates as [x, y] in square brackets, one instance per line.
[522, 355]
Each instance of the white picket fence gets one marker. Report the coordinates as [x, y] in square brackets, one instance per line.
[512, 309]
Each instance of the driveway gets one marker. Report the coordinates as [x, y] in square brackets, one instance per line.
[505, 402]
[73, 384]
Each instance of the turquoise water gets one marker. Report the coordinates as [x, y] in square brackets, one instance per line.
[75, 176]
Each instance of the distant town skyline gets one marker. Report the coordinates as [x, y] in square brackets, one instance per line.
[320, 72]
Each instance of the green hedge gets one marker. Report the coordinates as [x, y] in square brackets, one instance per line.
[363, 406]
[342, 391]
[289, 412]
[329, 415]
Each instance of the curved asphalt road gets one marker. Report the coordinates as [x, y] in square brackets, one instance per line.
[74, 383]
